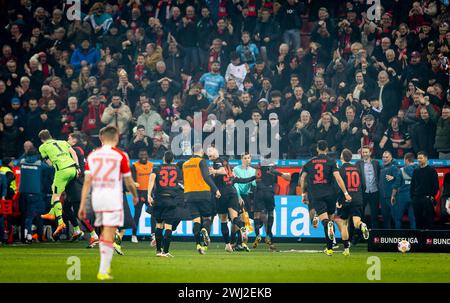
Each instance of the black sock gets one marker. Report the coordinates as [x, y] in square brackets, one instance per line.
[207, 224]
[175, 225]
[159, 238]
[258, 224]
[167, 238]
[346, 244]
[238, 222]
[233, 237]
[325, 228]
[225, 232]
[153, 224]
[269, 225]
[239, 237]
[196, 232]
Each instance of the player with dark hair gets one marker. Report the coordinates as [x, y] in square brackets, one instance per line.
[198, 186]
[350, 210]
[320, 171]
[228, 204]
[266, 179]
[73, 195]
[141, 171]
[165, 180]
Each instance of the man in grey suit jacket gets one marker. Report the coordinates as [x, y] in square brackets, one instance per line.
[370, 171]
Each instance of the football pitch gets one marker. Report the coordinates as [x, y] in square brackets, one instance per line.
[294, 262]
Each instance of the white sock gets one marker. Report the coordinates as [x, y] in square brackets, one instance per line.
[106, 254]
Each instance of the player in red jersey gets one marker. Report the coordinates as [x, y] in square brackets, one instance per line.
[321, 171]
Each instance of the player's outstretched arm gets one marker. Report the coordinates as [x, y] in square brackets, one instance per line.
[84, 192]
[131, 187]
[243, 180]
[220, 171]
[341, 184]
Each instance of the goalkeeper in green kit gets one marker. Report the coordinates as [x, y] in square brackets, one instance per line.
[64, 160]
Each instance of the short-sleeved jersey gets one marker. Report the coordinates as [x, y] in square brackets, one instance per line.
[58, 152]
[266, 178]
[352, 179]
[108, 166]
[224, 182]
[168, 180]
[400, 137]
[320, 177]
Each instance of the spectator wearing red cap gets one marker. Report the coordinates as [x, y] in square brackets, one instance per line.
[160, 135]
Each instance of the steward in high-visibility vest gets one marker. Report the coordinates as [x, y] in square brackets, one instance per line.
[198, 185]
[7, 171]
[141, 171]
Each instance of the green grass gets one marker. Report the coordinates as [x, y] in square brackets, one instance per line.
[47, 263]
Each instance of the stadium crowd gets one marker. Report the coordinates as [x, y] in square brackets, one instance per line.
[322, 70]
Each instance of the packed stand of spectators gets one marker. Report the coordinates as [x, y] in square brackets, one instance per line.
[320, 69]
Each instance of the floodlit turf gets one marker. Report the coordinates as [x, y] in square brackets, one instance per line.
[47, 263]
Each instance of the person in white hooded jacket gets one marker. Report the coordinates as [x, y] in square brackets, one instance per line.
[236, 70]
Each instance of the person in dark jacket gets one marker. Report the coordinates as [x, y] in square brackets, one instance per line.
[33, 124]
[415, 70]
[349, 135]
[32, 171]
[187, 36]
[327, 128]
[402, 201]
[388, 91]
[301, 137]
[370, 173]
[290, 22]
[164, 87]
[424, 187]
[372, 132]
[424, 134]
[205, 26]
[390, 182]
[51, 119]
[10, 137]
[140, 141]
[442, 142]
[267, 33]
